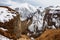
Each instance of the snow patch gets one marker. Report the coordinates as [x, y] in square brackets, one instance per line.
[5, 15]
[3, 29]
[3, 38]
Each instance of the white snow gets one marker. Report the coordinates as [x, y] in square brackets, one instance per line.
[31, 28]
[57, 22]
[32, 38]
[53, 9]
[5, 15]
[26, 10]
[22, 19]
[3, 29]
[55, 16]
[3, 38]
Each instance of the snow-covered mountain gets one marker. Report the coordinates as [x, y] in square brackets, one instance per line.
[25, 10]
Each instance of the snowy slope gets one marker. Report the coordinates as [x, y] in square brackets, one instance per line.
[5, 15]
[27, 10]
[37, 20]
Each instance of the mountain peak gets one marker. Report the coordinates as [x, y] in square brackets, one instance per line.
[25, 9]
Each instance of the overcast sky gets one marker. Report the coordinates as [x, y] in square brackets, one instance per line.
[42, 3]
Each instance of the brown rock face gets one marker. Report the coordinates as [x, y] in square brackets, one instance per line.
[25, 24]
[52, 34]
[13, 26]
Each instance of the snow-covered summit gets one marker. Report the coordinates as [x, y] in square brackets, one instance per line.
[25, 10]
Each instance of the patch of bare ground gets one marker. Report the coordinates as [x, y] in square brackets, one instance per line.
[24, 37]
[50, 34]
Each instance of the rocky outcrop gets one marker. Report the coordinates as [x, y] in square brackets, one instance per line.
[13, 25]
[25, 24]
